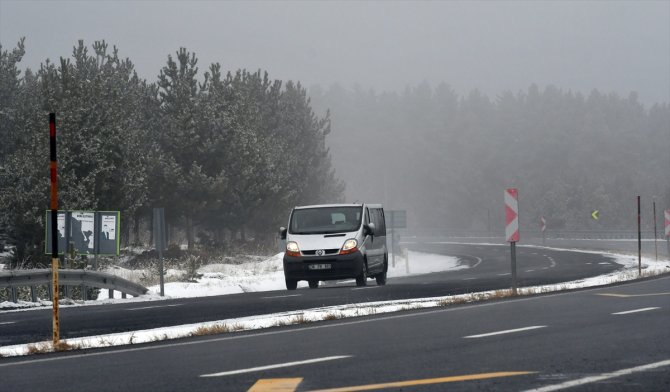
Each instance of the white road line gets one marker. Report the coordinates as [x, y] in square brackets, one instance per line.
[282, 296]
[155, 307]
[504, 332]
[636, 311]
[276, 366]
[469, 278]
[506, 273]
[604, 376]
[7, 322]
[530, 270]
[365, 288]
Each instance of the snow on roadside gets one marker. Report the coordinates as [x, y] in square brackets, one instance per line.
[268, 274]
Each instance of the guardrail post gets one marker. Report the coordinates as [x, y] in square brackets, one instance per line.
[14, 296]
[111, 294]
[84, 294]
[50, 291]
[123, 295]
[33, 293]
[66, 291]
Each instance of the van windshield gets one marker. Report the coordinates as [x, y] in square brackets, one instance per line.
[325, 220]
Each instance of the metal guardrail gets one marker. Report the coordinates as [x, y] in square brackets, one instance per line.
[549, 234]
[67, 278]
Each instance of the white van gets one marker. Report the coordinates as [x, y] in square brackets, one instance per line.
[335, 241]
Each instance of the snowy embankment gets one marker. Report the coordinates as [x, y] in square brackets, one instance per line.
[221, 279]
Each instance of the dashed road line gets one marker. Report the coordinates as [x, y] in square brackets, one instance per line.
[282, 296]
[506, 273]
[484, 335]
[366, 288]
[155, 307]
[631, 295]
[469, 278]
[602, 377]
[275, 366]
[7, 322]
[636, 311]
[530, 270]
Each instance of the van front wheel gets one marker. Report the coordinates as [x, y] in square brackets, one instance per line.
[362, 279]
[291, 284]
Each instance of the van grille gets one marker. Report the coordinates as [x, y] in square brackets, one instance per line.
[327, 252]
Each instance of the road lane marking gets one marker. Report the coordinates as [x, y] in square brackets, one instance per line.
[425, 381]
[282, 296]
[604, 376]
[505, 332]
[530, 270]
[276, 385]
[469, 278]
[365, 288]
[636, 310]
[275, 366]
[155, 307]
[631, 295]
[7, 322]
[506, 273]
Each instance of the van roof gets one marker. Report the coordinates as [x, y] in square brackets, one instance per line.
[338, 205]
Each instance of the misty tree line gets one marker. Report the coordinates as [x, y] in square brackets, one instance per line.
[226, 155]
[446, 158]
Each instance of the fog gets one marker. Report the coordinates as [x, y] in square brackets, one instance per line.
[617, 46]
[435, 107]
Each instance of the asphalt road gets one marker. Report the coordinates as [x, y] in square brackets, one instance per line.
[490, 271]
[614, 338]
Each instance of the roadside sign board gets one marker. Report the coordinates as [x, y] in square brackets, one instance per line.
[512, 215]
[397, 219]
[90, 232]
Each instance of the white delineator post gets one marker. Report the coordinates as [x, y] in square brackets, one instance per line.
[543, 227]
[667, 229]
[512, 227]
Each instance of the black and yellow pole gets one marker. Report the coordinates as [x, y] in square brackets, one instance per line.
[53, 169]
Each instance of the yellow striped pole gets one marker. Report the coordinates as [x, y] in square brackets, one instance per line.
[54, 225]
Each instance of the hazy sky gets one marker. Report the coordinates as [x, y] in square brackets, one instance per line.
[616, 46]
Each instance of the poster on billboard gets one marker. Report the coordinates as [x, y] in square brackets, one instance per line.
[82, 225]
[108, 243]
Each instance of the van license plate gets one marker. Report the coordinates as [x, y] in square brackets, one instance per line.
[319, 266]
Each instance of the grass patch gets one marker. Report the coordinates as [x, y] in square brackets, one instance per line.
[211, 330]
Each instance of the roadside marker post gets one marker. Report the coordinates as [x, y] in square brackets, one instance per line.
[543, 228]
[655, 235]
[160, 243]
[53, 171]
[639, 239]
[512, 227]
[667, 229]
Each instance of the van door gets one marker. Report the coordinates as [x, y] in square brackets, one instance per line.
[376, 254]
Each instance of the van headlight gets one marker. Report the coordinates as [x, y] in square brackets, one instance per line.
[292, 248]
[350, 246]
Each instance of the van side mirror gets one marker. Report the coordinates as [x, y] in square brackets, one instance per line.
[370, 229]
[282, 233]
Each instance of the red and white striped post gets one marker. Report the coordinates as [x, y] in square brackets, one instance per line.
[512, 227]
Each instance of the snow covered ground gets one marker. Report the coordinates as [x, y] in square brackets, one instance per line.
[219, 279]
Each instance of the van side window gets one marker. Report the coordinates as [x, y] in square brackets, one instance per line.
[379, 214]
